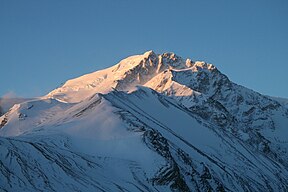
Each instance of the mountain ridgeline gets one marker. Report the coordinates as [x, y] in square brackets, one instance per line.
[152, 122]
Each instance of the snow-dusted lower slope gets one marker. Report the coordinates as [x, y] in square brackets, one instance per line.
[150, 123]
[51, 165]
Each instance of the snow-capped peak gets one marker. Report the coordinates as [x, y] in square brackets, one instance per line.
[126, 75]
[153, 122]
[150, 53]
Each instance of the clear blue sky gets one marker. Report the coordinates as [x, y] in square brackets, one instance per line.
[43, 43]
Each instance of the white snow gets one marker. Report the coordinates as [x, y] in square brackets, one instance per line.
[104, 116]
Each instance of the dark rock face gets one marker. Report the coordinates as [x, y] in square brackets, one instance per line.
[3, 122]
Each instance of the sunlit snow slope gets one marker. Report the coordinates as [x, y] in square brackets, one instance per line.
[150, 123]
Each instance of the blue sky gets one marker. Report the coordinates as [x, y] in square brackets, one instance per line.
[43, 43]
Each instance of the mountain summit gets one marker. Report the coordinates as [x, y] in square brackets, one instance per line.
[152, 122]
[124, 76]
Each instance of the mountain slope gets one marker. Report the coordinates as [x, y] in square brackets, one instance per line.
[6, 103]
[150, 123]
[132, 71]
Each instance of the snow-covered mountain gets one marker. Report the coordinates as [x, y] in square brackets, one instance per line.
[7, 102]
[152, 122]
